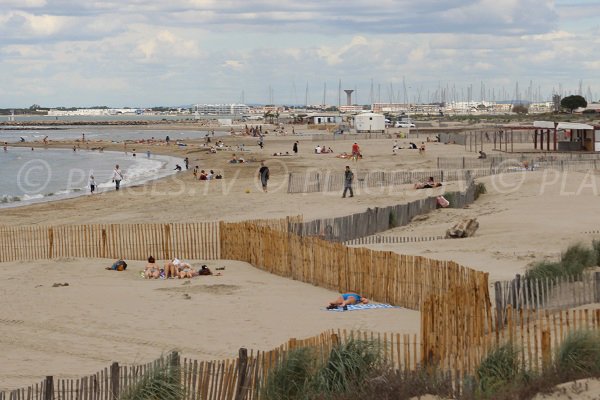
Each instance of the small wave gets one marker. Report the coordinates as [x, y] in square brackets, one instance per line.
[27, 197]
[9, 199]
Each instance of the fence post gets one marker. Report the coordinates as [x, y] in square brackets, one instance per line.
[335, 339]
[499, 305]
[49, 388]
[242, 386]
[114, 381]
[546, 354]
[318, 182]
[597, 287]
[174, 359]
[50, 242]
[289, 183]
[104, 243]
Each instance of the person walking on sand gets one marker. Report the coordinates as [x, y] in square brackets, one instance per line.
[92, 184]
[187, 163]
[263, 174]
[295, 147]
[348, 179]
[117, 177]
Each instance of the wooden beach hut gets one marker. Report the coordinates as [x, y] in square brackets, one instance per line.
[566, 136]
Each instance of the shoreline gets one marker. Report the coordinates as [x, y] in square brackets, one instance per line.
[27, 199]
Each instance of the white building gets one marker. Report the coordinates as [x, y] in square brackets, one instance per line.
[369, 122]
[221, 109]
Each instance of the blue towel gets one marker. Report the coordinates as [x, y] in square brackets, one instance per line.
[354, 307]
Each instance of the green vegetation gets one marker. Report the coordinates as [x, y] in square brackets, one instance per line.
[302, 376]
[291, 378]
[520, 109]
[573, 102]
[573, 262]
[160, 383]
[498, 369]
[480, 189]
[579, 355]
[500, 377]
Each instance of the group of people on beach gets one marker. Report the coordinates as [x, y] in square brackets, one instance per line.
[172, 269]
[202, 175]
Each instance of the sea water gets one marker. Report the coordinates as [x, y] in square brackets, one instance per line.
[29, 176]
[98, 133]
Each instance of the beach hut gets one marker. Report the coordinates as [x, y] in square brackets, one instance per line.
[369, 122]
[567, 136]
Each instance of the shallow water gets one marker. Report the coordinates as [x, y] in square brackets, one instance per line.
[28, 176]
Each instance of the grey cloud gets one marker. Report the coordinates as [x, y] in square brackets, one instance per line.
[393, 16]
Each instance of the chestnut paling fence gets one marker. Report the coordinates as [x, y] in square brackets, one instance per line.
[458, 327]
[456, 354]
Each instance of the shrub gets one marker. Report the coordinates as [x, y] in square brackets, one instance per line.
[573, 262]
[500, 367]
[544, 269]
[347, 367]
[160, 383]
[596, 248]
[579, 355]
[395, 385]
[290, 379]
[480, 189]
[450, 197]
[577, 258]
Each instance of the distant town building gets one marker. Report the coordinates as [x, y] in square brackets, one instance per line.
[221, 109]
[351, 109]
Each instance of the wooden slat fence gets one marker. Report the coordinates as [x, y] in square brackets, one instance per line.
[379, 219]
[131, 241]
[370, 222]
[459, 328]
[536, 336]
[230, 379]
[546, 294]
[493, 160]
[380, 275]
[379, 239]
[330, 181]
[107, 384]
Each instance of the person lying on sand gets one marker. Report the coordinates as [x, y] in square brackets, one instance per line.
[119, 265]
[347, 299]
[431, 183]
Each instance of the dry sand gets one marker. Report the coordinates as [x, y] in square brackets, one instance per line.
[105, 316]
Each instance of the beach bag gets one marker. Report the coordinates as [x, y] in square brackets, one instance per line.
[442, 202]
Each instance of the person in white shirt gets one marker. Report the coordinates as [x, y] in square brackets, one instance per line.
[117, 177]
[92, 184]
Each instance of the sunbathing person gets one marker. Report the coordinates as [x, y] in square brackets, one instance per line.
[347, 299]
[431, 183]
[186, 271]
[172, 269]
[151, 271]
[119, 265]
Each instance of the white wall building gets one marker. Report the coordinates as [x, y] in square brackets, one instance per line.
[369, 122]
[221, 109]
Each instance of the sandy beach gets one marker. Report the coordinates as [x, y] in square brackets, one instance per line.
[104, 316]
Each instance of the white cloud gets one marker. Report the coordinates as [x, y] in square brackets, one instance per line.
[233, 64]
[170, 52]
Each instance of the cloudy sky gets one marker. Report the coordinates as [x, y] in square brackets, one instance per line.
[177, 52]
